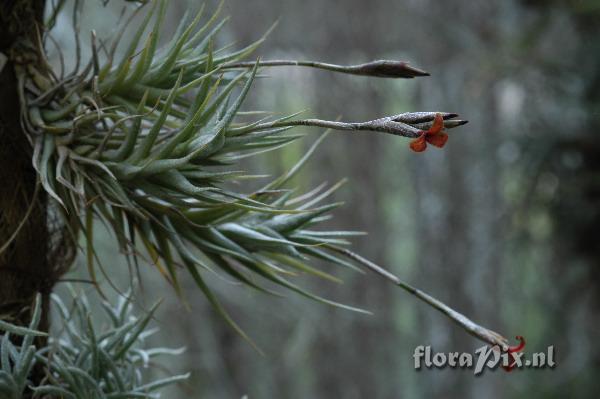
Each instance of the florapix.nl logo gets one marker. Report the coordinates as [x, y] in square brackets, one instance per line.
[483, 358]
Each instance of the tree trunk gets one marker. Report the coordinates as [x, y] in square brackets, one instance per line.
[24, 266]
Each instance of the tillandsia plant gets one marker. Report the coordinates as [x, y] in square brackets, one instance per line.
[147, 143]
[83, 361]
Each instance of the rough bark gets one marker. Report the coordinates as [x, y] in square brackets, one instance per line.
[24, 267]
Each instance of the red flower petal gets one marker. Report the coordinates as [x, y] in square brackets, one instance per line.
[518, 348]
[511, 350]
[438, 125]
[418, 144]
[438, 140]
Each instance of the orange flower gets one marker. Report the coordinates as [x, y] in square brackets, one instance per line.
[434, 136]
[513, 349]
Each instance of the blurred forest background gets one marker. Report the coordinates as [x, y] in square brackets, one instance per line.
[503, 224]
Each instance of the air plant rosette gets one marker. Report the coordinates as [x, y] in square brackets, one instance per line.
[83, 361]
[147, 143]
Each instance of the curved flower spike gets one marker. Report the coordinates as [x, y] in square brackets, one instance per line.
[514, 349]
[435, 136]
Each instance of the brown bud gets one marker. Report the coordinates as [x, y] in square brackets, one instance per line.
[386, 69]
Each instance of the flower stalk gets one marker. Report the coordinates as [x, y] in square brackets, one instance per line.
[484, 334]
[410, 124]
[379, 68]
